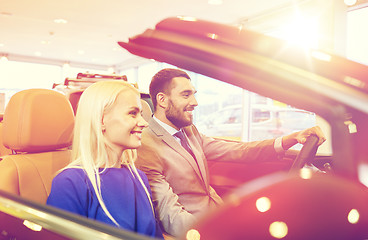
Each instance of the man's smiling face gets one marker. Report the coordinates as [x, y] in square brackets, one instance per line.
[181, 102]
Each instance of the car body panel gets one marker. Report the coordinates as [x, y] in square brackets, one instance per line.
[20, 217]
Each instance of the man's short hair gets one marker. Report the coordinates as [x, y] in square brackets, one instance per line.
[161, 82]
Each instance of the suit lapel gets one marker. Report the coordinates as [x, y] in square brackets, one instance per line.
[172, 143]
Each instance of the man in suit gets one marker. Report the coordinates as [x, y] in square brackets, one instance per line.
[178, 174]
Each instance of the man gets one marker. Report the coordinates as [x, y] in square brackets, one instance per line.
[179, 175]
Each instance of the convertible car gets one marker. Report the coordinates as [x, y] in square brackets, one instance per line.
[284, 200]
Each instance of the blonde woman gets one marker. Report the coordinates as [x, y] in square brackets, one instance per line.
[101, 182]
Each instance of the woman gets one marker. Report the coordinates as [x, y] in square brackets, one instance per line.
[101, 182]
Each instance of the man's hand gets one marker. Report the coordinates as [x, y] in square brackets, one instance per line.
[304, 134]
[301, 136]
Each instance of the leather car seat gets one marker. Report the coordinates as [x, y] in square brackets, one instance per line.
[3, 149]
[146, 110]
[38, 126]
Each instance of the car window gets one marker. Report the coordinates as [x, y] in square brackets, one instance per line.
[260, 115]
[228, 112]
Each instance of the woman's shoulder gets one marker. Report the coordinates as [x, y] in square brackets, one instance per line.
[142, 175]
[70, 174]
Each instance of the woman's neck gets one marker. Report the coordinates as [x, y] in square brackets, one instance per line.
[114, 158]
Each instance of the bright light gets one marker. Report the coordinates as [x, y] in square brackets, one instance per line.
[278, 229]
[354, 82]
[301, 31]
[212, 35]
[66, 65]
[263, 204]
[188, 19]
[33, 226]
[60, 20]
[350, 2]
[111, 70]
[215, 2]
[353, 216]
[193, 234]
[351, 126]
[306, 173]
[363, 173]
[4, 59]
[45, 42]
[321, 55]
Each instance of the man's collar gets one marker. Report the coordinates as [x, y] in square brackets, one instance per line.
[168, 128]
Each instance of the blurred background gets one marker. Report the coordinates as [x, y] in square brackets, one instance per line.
[43, 42]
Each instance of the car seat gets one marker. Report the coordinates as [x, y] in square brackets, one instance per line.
[3, 149]
[37, 126]
[146, 110]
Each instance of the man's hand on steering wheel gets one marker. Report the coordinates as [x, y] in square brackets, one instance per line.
[303, 135]
[300, 137]
[311, 138]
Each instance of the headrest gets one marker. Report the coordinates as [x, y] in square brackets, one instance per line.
[74, 99]
[146, 110]
[37, 120]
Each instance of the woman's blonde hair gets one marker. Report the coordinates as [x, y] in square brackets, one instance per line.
[90, 147]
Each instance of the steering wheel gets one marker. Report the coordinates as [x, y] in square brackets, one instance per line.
[306, 154]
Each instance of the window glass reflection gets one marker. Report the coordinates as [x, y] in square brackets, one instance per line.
[229, 112]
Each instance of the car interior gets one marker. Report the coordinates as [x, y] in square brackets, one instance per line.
[309, 194]
[3, 149]
[37, 127]
[29, 161]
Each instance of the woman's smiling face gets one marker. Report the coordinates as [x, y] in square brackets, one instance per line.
[123, 122]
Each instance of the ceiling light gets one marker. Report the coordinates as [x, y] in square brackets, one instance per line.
[37, 54]
[4, 58]
[81, 52]
[111, 70]
[215, 2]
[60, 20]
[66, 65]
[350, 2]
[2, 44]
[45, 42]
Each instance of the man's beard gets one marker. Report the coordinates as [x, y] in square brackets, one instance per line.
[176, 116]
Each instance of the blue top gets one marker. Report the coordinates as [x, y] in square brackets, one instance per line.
[123, 195]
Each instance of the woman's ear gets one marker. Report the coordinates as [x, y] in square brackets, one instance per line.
[162, 100]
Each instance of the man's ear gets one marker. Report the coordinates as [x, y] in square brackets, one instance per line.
[162, 100]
